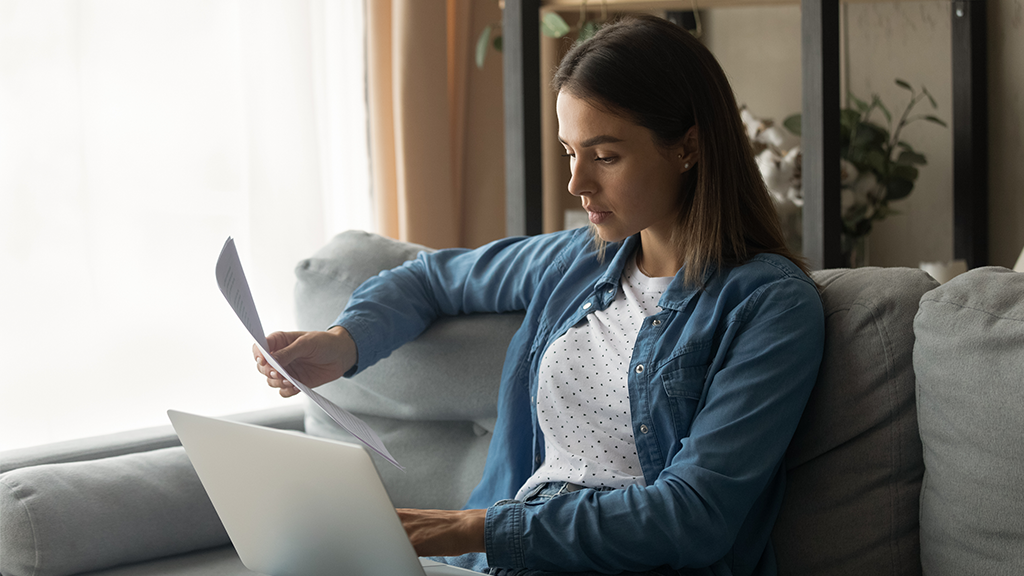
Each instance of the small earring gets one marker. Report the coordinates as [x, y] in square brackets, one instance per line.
[686, 166]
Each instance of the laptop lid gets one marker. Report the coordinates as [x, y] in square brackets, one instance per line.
[294, 504]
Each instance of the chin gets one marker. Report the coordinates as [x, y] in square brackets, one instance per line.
[606, 235]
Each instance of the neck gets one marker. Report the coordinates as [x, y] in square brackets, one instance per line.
[656, 258]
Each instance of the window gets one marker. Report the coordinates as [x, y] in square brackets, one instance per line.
[134, 138]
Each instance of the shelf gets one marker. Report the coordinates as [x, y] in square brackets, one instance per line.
[643, 5]
[820, 112]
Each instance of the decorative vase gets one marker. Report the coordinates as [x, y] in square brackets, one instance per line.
[855, 250]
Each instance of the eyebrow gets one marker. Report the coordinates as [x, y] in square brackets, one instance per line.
[602, 139]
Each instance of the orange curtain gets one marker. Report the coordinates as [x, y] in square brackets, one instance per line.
[416, 51]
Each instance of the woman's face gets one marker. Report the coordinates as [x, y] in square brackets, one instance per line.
[626, 182]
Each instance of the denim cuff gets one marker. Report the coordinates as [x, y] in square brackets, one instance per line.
[366, 344]
[503, 535]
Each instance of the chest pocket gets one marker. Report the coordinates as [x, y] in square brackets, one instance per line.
[682, 380]
[685, 381]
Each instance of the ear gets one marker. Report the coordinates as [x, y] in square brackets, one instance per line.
[687, 152]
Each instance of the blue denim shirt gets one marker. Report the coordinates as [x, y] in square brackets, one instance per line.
[717, 383]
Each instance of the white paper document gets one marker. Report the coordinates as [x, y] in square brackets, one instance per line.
[235, 288]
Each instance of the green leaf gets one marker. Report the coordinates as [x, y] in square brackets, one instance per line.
[883, 132]
[792, 123]
[905, 146]
[849, 118]
[498, 43]
[481, 46]
[885, 111]
[929, 95]
[860, 104]
[856, 213]
[909, 157]
[553, 26]
[898, 189]
[869, 135]
[589, 29]
[936, 120]
[861, 229]
[875, 160]
[904, 172]
[904, 84]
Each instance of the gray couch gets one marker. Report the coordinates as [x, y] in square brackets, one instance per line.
[908, 459]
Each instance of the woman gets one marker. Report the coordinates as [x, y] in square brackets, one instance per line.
[666, 355]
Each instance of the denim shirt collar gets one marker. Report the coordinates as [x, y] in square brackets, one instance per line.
[676, 296]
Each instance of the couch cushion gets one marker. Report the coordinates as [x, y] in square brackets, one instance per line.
[854, 466]
[969, 359]
[221, 561]
[69, 518]
[446, 380]
[443, 460]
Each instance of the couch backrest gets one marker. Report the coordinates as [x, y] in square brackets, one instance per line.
[854, 466]
[969, 361]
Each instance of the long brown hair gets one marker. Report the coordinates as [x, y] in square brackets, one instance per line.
[656, 74]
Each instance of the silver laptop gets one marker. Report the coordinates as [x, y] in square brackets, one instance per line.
[299, 505]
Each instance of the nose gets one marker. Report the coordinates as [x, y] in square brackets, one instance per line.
[580, 183]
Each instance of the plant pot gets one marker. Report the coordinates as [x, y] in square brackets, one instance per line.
[855, 251]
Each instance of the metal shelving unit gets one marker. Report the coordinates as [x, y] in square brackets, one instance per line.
[820, 110]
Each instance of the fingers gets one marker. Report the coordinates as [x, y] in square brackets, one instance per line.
[444, 532]
[285, 388]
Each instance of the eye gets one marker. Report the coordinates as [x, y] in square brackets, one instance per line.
[605, 159]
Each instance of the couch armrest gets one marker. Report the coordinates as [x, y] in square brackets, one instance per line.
[101, 502]
[132, 441]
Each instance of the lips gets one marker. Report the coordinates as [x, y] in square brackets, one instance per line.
[596, 216]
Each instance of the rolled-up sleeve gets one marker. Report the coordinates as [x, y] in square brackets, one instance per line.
[397, 305]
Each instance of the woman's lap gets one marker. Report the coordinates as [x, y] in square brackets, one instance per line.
[477, 561]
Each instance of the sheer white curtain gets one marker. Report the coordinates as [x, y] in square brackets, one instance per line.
[135, 136]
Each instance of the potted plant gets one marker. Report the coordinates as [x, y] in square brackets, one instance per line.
[877, 167]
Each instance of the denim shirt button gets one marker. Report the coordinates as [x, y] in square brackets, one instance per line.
[643, 429]
[639, 368]
[537, 458]
[656, 323]
[586, 306]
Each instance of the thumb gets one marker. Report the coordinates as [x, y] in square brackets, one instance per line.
[285, 347]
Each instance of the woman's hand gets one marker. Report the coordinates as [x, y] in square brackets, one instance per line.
[444, 532]
[314, 358]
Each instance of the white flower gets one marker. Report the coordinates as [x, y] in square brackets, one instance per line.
[776, 175]
[775, 136]
[792, 155]
[865, 186]
[790, 164]
[861, 193]
[745, 116]
[847, 200]
[751, 123]
[795, 195]
[847, 172]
